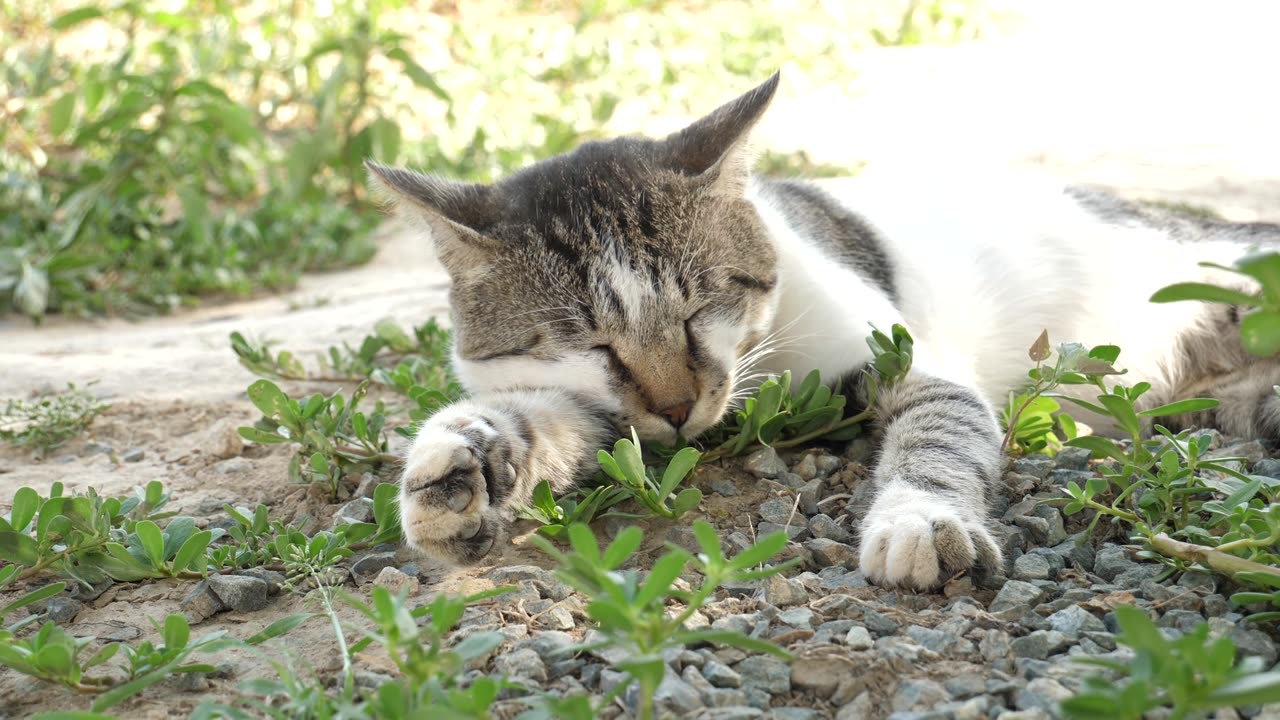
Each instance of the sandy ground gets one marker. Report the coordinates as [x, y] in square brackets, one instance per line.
[1158, 101]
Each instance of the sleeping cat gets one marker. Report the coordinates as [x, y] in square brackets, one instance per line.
[645, 283]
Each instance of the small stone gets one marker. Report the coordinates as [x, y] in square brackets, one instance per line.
[765, 463]
[274, 580]
[359, 510]
[807, 468]
[794, 531]
[1112, 561]
[676, 695]
[918, 695]
[1016, 594]
[801, 617]
[62, 609]
[134, 455]
[524, 663]
[515, 573]
[1076, 549]
[1267, 467]
[395, 581]
[794, 713]
[1252, 451]
[1040, 644]
[720, 486]
[368, 567]
[201, 603]
[1066, 477]
[783, 592]
[1031, 567]
[1250, 641]
[732, 712]
[933, 640]
[878, 623]
[241, 592]
[780, 511]
[98, 448]
[859, 638]
[827, 552]
[966, 686]
[1075, 620]
[765, 673]
[1056, 530]
[721, 675]
[827, 464]
[1036, 465]
[557, 618]
[233, 466]
[861, 708]
[845, 580]
[1073, 458]
[1040, 694]
[819, 674]
[822, 526]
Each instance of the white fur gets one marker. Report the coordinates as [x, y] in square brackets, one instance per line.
[583, 373]
[439, 450]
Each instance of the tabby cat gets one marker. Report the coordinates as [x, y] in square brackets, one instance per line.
[638, 283]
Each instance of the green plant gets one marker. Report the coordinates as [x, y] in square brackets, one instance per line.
[49, 420]
[775, 416]
[1260, 327]
[334, 438]
[1190, 676]
[626, 467]
[632, 613]
[581, 506]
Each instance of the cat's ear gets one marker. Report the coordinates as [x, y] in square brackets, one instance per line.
[715, 148]
[455, 212]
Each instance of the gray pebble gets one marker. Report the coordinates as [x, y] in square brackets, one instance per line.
[858, 638]
[809, 495]
[1073, 458]
[1016, 594]
[765, 673]
[827, 464]
[240, 592]
[807, 468]
[1040, 694]
[783, 592]
[133, 455]
[1268, 467]
[1037, 465]
[1040, 644]
[368, 567]
[397, 582]
[1112, 561]
[62, 609]
[1065, 477]
[918, 695]
[1031, 567]
[780, 511]
[721, 675]
[200, 603]
[878, 623]
[1075, 620]
[822, 526]
[359, 510]
[827, 552]
[523, 663]
[765, 463]
[720, 486]
[800, 617]
[795, 531]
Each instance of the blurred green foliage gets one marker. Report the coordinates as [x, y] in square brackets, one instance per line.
[156, 151]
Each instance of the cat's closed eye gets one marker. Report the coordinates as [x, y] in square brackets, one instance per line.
[526, 348]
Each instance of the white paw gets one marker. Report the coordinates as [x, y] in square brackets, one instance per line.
[444, 497]
[914, 540]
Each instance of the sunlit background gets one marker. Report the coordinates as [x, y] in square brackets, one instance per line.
[153, 154]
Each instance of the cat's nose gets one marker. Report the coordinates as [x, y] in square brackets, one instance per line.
[677, 413]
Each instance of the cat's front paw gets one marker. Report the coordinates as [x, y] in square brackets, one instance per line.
[445, 506]
[917, 540]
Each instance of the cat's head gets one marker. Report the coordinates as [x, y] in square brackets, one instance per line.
[634, 271]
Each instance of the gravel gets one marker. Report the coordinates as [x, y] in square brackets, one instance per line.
[241, 593]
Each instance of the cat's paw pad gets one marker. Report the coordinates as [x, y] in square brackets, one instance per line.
[922, 546]
[444, 493]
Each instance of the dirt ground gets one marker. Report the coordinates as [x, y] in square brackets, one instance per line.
[1155, 101]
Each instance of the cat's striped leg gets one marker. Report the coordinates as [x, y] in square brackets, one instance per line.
[939, 462]
[471, 461]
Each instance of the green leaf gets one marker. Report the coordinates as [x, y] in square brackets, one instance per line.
[687, 500]
[152, 542]
[417, 73]
[1260, 333]
[610, 615]
[1257, 689]
[19, 548]
[279, 627]
[735, 639]
[1099, 446]
[627, 542]
[176, 632]
[25, 503]
[74, 17]
[34, 596]
[1265, 268]
[268, 398]
[627, 454]
[658, 583]
[1122, 410]
[765, 548]
[584, 543]
[192, 549]
[1180, 407]
[708, 541]
[478, 645]
[60, 111]
[679, 467]
[1204, 292]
